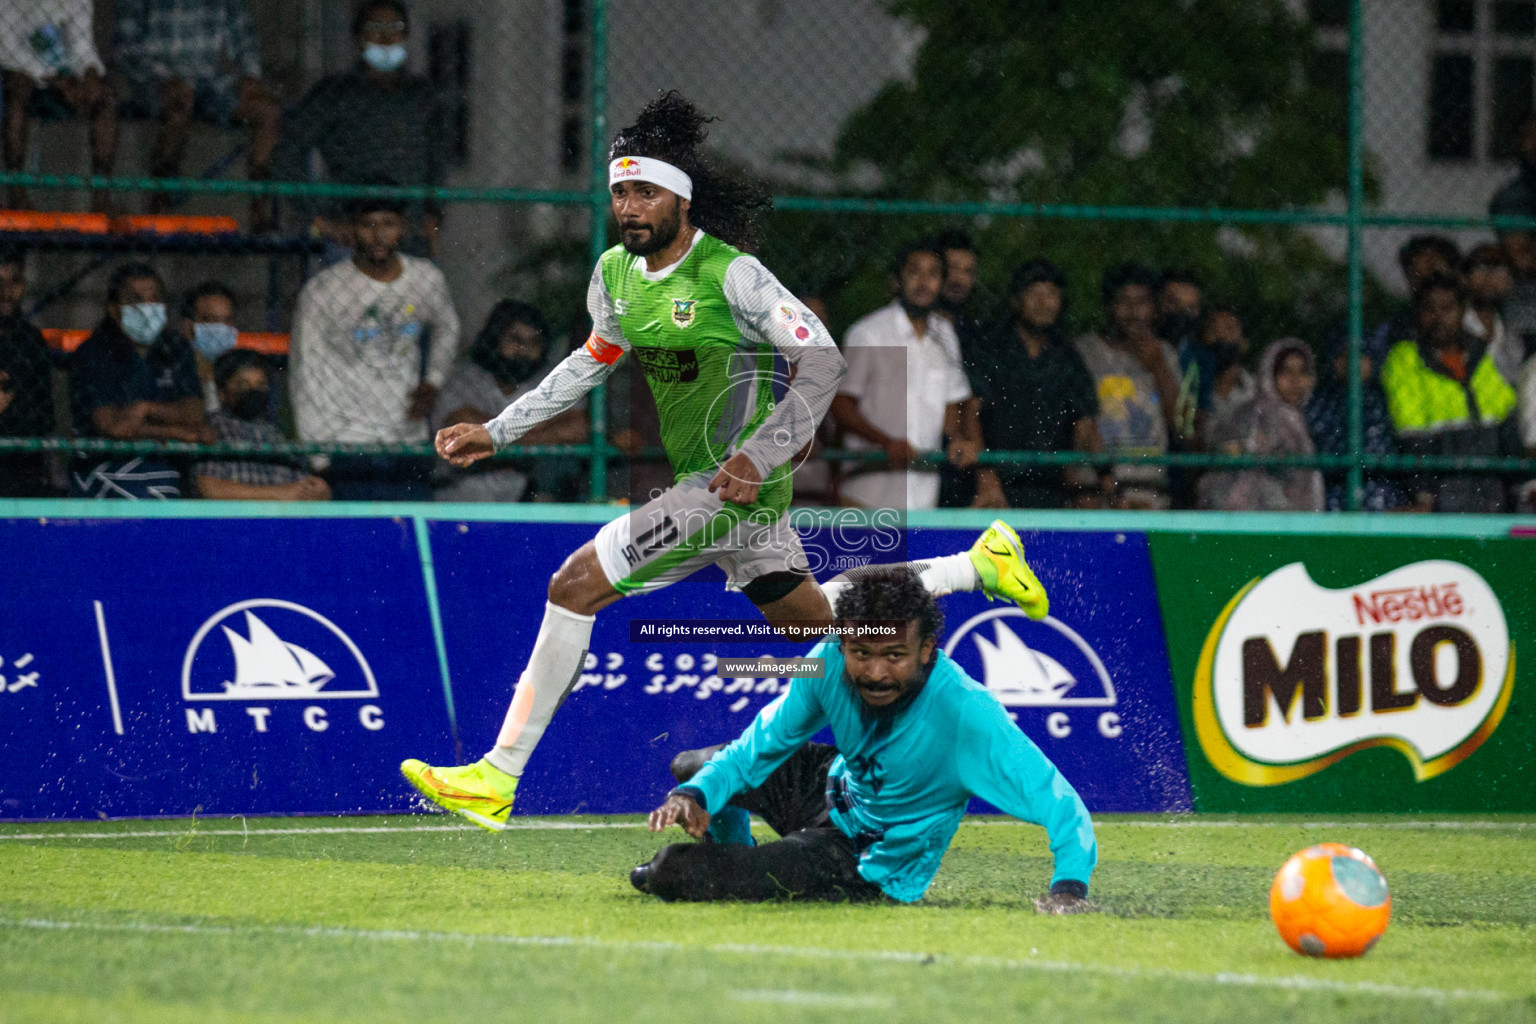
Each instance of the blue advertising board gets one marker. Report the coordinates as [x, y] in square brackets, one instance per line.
[166, 667]
[635, 705]
[1090, 685]
[286, 665]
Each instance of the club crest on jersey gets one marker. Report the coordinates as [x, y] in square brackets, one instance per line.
[682, 311]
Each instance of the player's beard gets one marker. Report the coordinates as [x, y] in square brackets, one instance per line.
[912, 689]
[646, 240]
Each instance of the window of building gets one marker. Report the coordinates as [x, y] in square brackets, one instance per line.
[573, 86]
[1482, 78]
[448, 50]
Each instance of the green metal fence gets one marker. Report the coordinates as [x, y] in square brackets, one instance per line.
[841, 215]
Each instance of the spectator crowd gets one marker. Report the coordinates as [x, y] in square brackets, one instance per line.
[1166, 371]
[376, 358]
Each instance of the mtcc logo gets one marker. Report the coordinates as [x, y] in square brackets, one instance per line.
[265, 650]
[1027, 664]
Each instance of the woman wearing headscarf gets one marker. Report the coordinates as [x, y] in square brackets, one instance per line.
[1271, 423]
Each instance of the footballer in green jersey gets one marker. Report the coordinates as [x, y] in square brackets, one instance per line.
[703, 322]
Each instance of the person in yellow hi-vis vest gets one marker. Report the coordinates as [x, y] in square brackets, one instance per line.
[1446, 397]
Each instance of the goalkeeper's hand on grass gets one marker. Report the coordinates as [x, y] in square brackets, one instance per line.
[681, 809]
[1066, 897]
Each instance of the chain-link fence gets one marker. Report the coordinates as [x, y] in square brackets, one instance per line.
[267, 249]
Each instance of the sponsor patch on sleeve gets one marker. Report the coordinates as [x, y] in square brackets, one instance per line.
[602, 351]
[787, 315]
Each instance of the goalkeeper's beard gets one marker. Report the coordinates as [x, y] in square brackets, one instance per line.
[643, 240]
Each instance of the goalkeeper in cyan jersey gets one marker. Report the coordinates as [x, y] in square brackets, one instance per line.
[872, 816]
[704, 322]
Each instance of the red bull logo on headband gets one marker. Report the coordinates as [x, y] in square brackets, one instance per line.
[627, 167]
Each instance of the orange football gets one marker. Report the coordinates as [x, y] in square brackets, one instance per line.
[1330, 900]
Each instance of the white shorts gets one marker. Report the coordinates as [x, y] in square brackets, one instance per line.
[687, 527]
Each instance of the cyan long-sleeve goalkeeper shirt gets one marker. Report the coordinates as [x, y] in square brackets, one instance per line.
[900, 785]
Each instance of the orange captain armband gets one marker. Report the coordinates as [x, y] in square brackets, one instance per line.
[603, 351]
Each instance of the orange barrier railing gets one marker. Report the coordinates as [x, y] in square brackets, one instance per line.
[269, 343]
[41, 221]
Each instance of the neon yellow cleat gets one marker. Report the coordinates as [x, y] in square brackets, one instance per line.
[998, 556]
[480, 792]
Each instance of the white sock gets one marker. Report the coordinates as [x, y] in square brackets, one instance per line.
[553, 668]
[943, 575]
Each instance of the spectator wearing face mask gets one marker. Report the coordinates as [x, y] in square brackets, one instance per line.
[1180, 309]
[208, 322]
[1223, 344]
[958, 485]
[506, 360]
[244, 386]
[373, 124]
[134, 380]
[1271, 423]
[1488, 279]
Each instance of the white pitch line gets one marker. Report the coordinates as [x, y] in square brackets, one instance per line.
[796, 997]
[1224, 978]
[538, 824]
[564, 826]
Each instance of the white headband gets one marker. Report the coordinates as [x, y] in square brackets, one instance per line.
[648, 168]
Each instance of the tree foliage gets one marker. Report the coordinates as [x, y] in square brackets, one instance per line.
[1188, 103]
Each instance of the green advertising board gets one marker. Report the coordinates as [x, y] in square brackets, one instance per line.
[1372, 674]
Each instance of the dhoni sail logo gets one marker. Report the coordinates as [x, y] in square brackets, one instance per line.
[266, 665]
[274, 650]
[1294, 677]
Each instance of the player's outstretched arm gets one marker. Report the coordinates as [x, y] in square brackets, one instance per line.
[1001, 765]
[578, 373]
[567, 383]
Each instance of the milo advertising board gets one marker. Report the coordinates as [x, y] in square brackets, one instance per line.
[1352, 673]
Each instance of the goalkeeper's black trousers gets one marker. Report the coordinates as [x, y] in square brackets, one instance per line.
[814, 859]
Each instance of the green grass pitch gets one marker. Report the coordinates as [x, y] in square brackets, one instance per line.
[419, 919]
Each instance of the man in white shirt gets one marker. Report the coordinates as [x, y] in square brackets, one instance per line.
[904, 389]
[373, 340]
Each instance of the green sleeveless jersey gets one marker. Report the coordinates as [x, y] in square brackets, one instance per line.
[712, 383]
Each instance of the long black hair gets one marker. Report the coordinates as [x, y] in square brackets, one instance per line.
[727, 205]
[892, 593]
